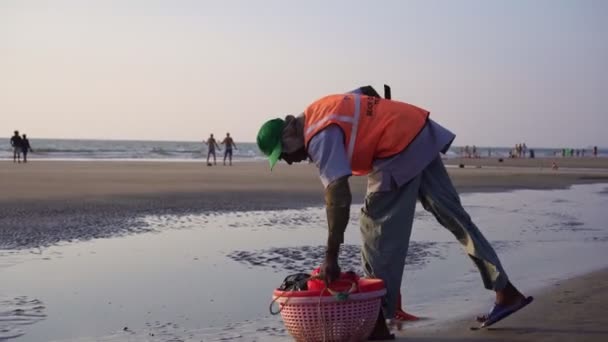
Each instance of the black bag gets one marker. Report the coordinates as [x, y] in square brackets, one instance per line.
[295, 282]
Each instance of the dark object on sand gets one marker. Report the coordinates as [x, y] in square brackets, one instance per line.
[531, 154]
[295, 282]
[461, 166]
[500, 160]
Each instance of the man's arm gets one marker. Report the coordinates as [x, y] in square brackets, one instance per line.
[338, 199]
[327, 151]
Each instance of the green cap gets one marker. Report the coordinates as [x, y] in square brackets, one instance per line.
[269, 140]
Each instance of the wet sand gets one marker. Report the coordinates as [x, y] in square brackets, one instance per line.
[571, 310]
[45, 202]
[302, 259]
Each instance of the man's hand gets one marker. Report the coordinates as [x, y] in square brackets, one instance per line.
[330, 271]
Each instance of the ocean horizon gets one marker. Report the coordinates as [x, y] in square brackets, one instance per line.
[157, 150]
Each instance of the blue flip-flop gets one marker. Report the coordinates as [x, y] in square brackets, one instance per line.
[500, 312]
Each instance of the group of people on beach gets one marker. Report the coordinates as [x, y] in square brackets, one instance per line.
[467, 152]
[522, 151]
[519, 151]
[212, 144]
[20, 145]
[570, 152]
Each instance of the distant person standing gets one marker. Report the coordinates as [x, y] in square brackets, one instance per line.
[25, 147]
[595, 151]
[212, 144]
[16, 144]
[228, 144]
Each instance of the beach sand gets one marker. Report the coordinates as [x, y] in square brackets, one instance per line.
[65, 180]
[92, 200]
[571, 310]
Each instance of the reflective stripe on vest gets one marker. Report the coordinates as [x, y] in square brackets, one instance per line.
[354, 120]
[338, 117]
[353, 134]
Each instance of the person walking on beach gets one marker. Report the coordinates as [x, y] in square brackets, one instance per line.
[228, 144]
[595, 151]
[211, 145]
[25, 147]
[398, 147]
[16, 144]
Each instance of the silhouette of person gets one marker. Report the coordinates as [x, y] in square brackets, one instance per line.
[228, 143]
[25, 147]
[212, 144]
[16, 144]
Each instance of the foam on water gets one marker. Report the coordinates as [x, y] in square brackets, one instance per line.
[210, 276]
[85, 149]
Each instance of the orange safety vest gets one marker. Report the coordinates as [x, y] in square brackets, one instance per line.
[373, 127]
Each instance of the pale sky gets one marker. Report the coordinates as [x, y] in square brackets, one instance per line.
[494, 72]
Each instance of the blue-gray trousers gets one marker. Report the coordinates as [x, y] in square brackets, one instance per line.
[386, 226]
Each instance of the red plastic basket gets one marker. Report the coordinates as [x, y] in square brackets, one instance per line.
[316, 316]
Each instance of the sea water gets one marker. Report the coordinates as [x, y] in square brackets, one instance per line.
[72, 149]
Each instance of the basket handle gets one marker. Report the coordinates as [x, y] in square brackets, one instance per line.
[274, 300]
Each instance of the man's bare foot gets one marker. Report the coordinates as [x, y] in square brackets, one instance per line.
[381, 331]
